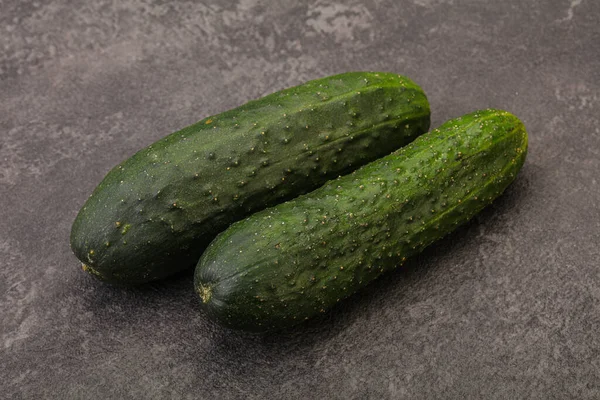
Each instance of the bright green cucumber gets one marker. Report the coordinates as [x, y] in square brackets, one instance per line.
[153, 214]
[293, 261]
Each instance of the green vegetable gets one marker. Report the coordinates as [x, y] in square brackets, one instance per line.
[293, 261]
[153, 214]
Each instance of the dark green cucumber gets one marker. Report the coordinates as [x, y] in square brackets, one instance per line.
[293, 261]
[153, 214]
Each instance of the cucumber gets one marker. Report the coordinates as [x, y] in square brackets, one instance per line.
[153, 214]
[296, 260]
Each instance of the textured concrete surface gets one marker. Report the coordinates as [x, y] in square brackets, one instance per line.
[507, 307]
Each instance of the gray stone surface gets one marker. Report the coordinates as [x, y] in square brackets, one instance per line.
[507, 307]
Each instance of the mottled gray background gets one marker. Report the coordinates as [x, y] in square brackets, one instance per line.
[507, 307]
